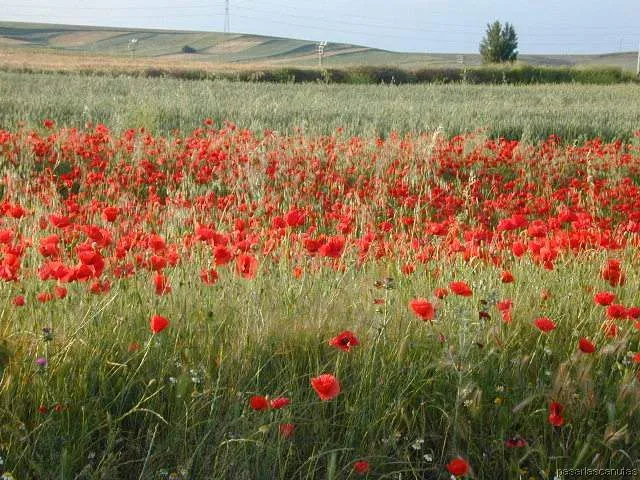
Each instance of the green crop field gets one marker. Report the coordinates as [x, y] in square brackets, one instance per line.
[520, 112]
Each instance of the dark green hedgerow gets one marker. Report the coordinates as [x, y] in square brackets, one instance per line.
[364, 75]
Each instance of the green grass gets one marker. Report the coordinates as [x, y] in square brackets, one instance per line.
[529, 112]
[181, 402]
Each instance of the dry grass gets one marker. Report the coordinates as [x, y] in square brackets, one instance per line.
[8, 42]
[78, 39]
[73, 62]
[234, 46]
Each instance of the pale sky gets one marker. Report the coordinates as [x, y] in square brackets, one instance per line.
[543, 26]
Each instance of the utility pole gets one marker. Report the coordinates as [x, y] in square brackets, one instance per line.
[638, 64]
[321, 47]
[227, 20]
[133, 44]
[620, 47]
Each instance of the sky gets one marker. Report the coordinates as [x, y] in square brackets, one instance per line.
[442, 26]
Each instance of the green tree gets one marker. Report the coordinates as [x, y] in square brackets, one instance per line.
[500, 43]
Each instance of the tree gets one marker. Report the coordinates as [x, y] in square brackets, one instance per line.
[500, 44]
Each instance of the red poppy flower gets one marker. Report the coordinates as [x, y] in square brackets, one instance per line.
[616, 311]
[613, 274]
[312, 245]
[222, 255]
[158, 323]
[518, 248]
[545, 324]
[440, 292]
[507, 277]
[246, 266]
[422, 308]
[16, 211]
[458, 467]
[333, 247]
[461, 288]
[162, 284]
[98, 287]
[279, 402]
[503, 305]
[408, 268]
[19, 301]
[59, 221]
[361, 467]
[633, 313]
[516, 442]
[604, 298]
[344, 341]
[6, 236]
[49, 246]
[82, 273]
[158, 262]
[286, 430]
[555, 414]
[156, 243]
[636, 357]
[326, 386]
[586, 346]
[209, 277]
[110, 213]
[204, 233]
[506, 316]
[61, 292]
[44, 297]
[295, 217]
[258, 402]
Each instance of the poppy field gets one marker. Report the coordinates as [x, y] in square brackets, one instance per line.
[247, 304]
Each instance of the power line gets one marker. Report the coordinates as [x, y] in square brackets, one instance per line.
[554, 27]
[382, 35]
[475, 31]
[245, 3]
[227, 19]
[322, 28]
[47, 17]
[80, 8]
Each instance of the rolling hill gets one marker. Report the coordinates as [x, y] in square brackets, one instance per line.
[49, 44]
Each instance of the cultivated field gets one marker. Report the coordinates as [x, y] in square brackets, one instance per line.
[216, 280]
[81, 44]
[531, 113]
